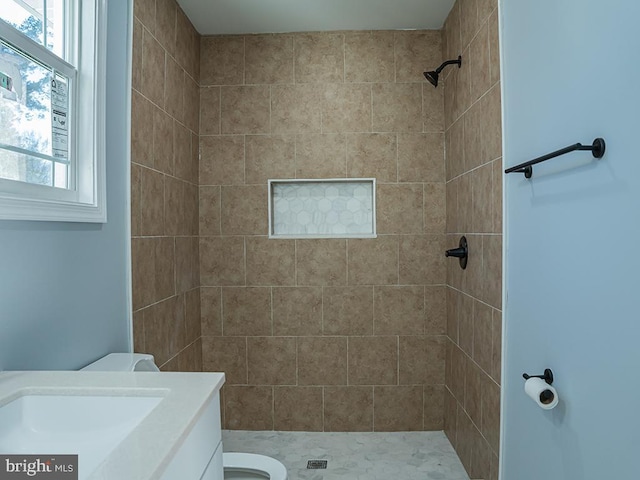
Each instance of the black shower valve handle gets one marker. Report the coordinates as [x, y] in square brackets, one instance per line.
[459, 252]
[462, 252]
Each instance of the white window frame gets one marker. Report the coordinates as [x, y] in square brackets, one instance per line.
[85, 200]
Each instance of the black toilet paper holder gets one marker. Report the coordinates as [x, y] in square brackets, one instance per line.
[547, 377]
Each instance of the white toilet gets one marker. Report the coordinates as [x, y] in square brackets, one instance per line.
[238, 466]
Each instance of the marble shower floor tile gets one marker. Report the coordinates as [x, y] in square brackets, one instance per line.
[354, 456]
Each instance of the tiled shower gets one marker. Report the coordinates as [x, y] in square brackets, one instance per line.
[376, 334]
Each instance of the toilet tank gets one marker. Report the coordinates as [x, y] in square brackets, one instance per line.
[124, 362]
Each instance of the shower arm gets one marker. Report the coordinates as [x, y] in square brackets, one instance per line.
[448, 62]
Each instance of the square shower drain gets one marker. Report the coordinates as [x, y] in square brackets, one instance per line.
[316, 464]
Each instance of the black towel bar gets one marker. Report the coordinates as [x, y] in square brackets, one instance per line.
[597, 149]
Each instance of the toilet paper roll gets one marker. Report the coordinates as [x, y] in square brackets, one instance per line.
[541, 392]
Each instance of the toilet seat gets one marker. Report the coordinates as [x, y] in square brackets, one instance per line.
[253, 463]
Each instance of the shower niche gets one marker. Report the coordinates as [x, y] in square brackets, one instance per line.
[322, 208]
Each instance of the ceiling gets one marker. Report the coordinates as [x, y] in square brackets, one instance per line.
[212, 17]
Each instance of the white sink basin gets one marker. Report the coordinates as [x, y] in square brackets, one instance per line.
[90, 426]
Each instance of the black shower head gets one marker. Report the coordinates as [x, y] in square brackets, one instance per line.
[432, 76]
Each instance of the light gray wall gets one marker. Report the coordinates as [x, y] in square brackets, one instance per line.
[570, 74]
[64, 287]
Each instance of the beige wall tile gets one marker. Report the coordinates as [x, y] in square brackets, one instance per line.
[164, 329]
[271, 360]
[399, 208]
[269, 156]
[174, 89]
[452, 206]
[348, 409]
[421, 157]
[222, 160]
[432, 108]
[187, 269]
[268, 59]
[184, 167]
[138, 332]
[346, 108]
[270, 262]
[136, 173]
[491, 413]
[455, 150]
[298, 409]
[222, 261]
[145, 11]
[450, 417]
[166, 24]
[322, 360]
[193, 315]
[396, 107]
[482, 187]
[347, 310]
[174, 206]
[210, 111]
[373, 261]
[187, 45]
[397, 408]
[209, 210]
[246, 311]
[372, 155]
[421, 360]
[433, 407]
[191, 104]
[244, 109]
[211, 311]
[319, 57]
[416, 52]
[422, 260]
[164, 252]
[435, 207]
[222, 60]
[297, 311]
[453, 302]
[435, 307]
[162, 141]
[296, 109]
[153, 63]
[369, 57]
[143, 272]
[248, 408]
[496, 199]
[472, 391]
[398, 311]
[244, 210]
[228, 355]
[479, 63]
[321, 262]
[492, 268]
[141, 130]
[465, 324]
[473, 137]
[458, 373]
[468, 21]
[482, 335]
[320, 156]
[373, 360]
[492, 126]
[494, 48]
[151, 202]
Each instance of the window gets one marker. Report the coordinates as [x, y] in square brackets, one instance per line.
[52, 109]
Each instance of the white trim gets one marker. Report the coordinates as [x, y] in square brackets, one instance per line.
[85, 201]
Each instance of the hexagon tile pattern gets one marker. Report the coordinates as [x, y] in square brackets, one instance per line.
[323, 208]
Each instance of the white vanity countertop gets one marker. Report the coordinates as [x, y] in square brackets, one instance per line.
[148, 449]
